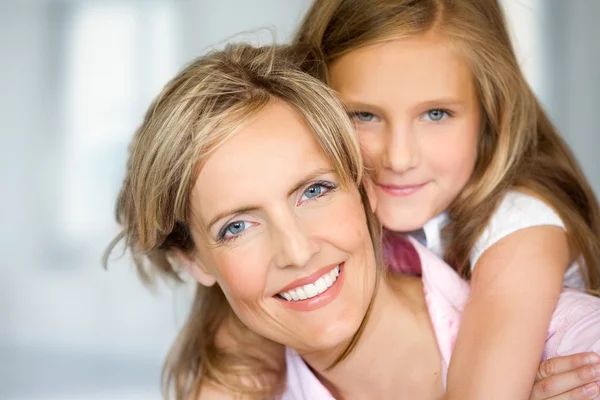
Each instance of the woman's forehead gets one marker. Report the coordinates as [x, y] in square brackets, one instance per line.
[268, 154]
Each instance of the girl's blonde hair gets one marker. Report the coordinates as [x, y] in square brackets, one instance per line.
[518, 146]
[197, 111]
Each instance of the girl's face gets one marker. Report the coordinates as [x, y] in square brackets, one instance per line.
[277, 231]
[417, 115]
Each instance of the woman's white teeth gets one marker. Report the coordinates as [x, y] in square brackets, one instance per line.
[312, 289]
[320, 285]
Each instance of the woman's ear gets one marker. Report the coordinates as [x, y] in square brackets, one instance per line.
[194, 267]
[369, 186]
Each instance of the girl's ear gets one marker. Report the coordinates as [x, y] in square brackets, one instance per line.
[194, 267]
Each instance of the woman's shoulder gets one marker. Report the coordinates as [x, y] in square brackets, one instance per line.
[575, 325]
[214, 391]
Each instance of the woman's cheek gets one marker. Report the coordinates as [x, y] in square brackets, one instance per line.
[346, 221]
[243, 272]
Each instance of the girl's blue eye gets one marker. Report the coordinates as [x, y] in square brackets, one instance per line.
[436, 115]
[362, 116]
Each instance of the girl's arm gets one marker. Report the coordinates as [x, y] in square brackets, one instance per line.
[515, 288]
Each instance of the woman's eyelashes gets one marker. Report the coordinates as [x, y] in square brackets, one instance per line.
[234, 230]
[316, 190]
[237, 228]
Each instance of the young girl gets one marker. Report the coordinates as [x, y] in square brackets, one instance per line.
[465, 159]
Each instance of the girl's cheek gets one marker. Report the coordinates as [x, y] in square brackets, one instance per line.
[371, 144]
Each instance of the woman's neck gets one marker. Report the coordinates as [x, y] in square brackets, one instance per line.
[397, 354]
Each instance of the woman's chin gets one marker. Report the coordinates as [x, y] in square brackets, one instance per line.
[328, 335]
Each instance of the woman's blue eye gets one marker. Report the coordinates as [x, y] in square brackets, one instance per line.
[313, 191]
[234, 228]
[436, 115]
[362, 116]
[317, 190]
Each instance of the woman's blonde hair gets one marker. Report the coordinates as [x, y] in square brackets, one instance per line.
[518, 146]
[197, 111]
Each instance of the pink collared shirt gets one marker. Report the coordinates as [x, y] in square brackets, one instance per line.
[575, 325]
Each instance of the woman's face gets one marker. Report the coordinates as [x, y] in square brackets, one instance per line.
[289, 247]
[417, 116]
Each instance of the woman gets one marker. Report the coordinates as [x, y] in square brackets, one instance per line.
[246, 173]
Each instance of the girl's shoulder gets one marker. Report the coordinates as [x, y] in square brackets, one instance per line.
[521, 207]
[518, 209]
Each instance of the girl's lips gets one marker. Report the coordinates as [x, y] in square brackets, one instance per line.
[401, 190]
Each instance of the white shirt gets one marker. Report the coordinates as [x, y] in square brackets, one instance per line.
[516, 211]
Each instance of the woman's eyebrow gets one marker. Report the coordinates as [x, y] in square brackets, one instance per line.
[225, 213]
[310, 177]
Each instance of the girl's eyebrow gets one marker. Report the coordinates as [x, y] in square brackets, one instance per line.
[351, 105]
[446, 101]
[309, 177]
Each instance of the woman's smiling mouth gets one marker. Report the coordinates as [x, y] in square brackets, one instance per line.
[308, 291]
[314, 291]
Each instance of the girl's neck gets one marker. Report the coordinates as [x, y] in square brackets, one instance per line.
[396, 356]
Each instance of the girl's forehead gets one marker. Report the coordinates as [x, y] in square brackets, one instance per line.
[416, 69]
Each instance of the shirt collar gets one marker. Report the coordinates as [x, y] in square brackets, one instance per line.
[446, 294]
[432, 230]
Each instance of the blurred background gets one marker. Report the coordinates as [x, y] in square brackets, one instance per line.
[75, 78]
